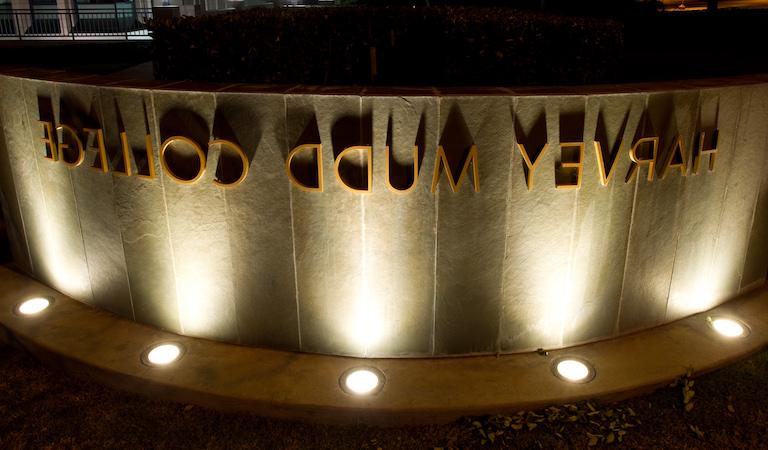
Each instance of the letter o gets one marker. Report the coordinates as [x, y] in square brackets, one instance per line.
[167, 169]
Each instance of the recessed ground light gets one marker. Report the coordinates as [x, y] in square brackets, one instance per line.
[33, 306]
[162, 354]
[731, 328]
[573, 370]
[362, 381]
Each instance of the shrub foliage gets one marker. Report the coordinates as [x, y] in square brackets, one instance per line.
[409, 46]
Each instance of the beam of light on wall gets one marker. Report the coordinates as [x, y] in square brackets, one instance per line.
[699, 297]
[202, 309]
[561, 287]
[64, 275]
[588, 258]
[366, 326]
[57, 264]
[715, 282]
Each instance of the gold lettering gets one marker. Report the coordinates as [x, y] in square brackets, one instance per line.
[531, 166]
[578, 165]
[368, 154]
[712, 152]
[150, 159]
[415, 171]
[126, 152]
[677, 149]
[63, 146]
[318, 149]
[101, 157]
[126, 149]
[243, 158]
[637, 161]
[50, 146]
[604, 178]
[442, 160]
[166, 168]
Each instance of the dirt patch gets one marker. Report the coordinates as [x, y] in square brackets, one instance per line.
[43, 408]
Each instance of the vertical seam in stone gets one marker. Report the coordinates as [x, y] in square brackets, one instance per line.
[37, 165]
[363, 253]
[232, 286]
[641, 126]
[15, 190]
[293, 233]
[680, 207]
[82, 238]
[168, 223]
[77, 214]
[436, 199]
[503, 309]
[117, 216]
[751, 224]
[734, 146]
[572, 245]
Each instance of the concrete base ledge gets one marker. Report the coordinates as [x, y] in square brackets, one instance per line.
[106, 348]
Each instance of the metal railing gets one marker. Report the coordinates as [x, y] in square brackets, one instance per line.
[106, 22]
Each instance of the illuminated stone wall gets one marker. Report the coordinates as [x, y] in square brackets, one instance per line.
[504, 269]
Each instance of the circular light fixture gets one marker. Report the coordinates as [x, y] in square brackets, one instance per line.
[34, 306]
[727, 327]
[573, 370]
[162, 354]
[362, 381]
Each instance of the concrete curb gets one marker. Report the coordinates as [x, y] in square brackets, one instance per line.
[97, 344]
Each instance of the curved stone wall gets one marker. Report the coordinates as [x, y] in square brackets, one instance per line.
[546, 240]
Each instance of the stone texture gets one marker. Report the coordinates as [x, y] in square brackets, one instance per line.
[14, 224]
[741, 196]
[654, 231]
[386, 274]
[22, 155]
[141, 212]
[602, 219]
[400, 228]
[697, 271]
[259, 221]
[470, 225]
[334, 307]
[80, 107]
[63, 260]
[539, 229]
[198, 224]
[756, 262]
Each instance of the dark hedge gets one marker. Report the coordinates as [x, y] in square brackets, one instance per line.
[413, 46]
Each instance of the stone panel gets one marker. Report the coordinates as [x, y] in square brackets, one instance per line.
[539, 227]
[400, 227]
[11, 209]
[741, 195]
[756, 262]
[140, 208]
[259, 221]
[63, 257]
[80, 108]
[602, 218]
[655, 225]
[696, 270]
[470, 225]
[328, 232]
[197, 222]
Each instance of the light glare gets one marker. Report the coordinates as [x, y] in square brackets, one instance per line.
[572, 370]
[361, 381]
[34, 306]
[164, 354]
[728, 327]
